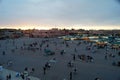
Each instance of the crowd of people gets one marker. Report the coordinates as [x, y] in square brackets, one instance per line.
[52, 47]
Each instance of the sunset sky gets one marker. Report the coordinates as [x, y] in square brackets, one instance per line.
[46, 14]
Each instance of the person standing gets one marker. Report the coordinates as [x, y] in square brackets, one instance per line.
[1, 68]
[44, 70]
[33, 70]
[106, 57]
[3, 53]
[70, 75]
[74, 57]
[75, 50]
[75, 70]
[22, 76]
[1, 71]
[9, 76]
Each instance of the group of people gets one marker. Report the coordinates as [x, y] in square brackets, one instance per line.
[44, 45]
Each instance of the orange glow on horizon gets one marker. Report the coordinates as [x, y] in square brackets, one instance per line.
[46, 27]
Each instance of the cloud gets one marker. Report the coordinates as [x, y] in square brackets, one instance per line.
[0, 1]
[60, 12]
[118, 1]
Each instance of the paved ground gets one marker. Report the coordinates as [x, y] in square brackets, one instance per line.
[59, 70]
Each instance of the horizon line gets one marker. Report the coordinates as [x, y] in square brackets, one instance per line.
[57, 28]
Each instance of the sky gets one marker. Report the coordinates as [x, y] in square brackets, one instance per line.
[46, 14]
